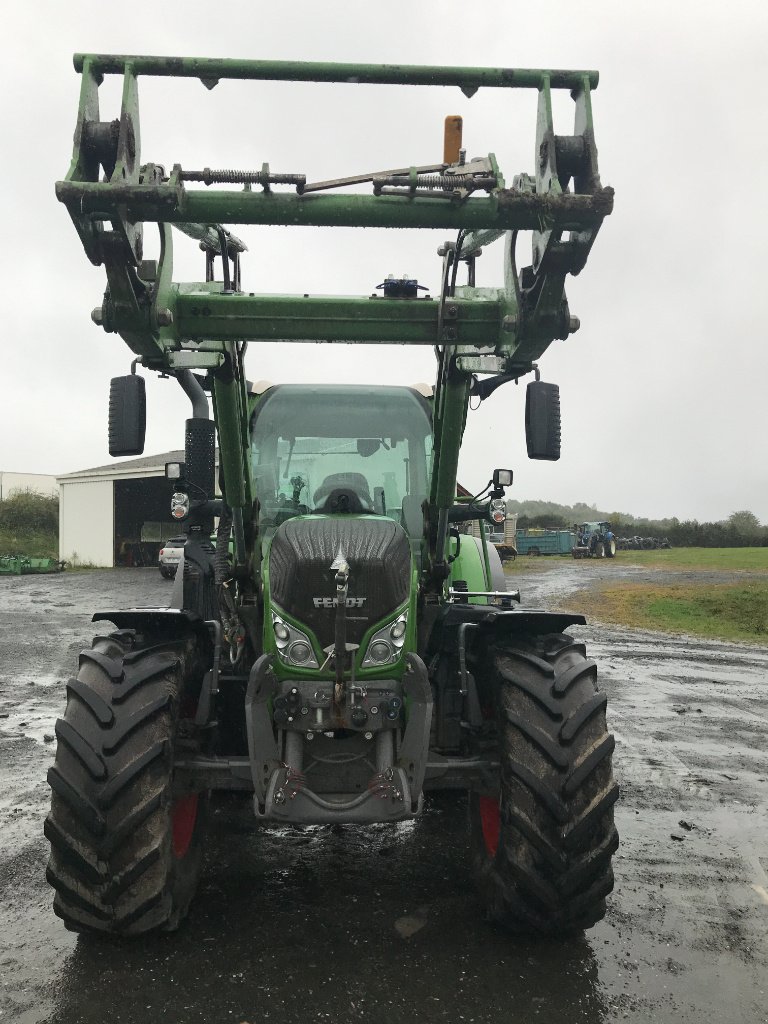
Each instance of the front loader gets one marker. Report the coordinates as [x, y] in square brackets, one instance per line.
[338, 645]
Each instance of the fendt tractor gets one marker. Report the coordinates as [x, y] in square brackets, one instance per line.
[338, 643]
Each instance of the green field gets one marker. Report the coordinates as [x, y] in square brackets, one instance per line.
[734, 609]
[703, 559]
[723, 611]
[706, 559]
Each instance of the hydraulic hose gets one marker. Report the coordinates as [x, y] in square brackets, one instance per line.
[221, 570]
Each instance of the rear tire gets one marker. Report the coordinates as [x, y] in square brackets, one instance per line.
[610, 548]
[542, 850]
[126, 849]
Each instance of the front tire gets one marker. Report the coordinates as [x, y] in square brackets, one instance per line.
[126, 849]
[542, 850]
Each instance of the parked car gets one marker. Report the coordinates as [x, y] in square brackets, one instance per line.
[169, 556]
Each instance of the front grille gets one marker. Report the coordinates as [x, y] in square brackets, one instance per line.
[303, 583]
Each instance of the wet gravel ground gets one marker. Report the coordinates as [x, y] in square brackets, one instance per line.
[343, 924]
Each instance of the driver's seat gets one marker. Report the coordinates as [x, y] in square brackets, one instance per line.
[337, 485]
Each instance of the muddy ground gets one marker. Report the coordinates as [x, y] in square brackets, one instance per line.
[340, 924]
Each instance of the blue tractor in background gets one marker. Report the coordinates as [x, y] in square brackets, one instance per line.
[594, 540]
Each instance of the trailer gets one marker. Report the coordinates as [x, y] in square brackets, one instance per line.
[545, 542]
[502, 536]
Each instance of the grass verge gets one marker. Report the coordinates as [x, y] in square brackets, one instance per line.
[703, 559]
[707, 559]
[724, 611]
[36, 545]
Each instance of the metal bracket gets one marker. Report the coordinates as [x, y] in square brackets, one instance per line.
[210, 686]
[262, 747]
[481, 364]
[414, 748]
[188, 359]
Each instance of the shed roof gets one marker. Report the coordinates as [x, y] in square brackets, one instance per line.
[125, 469]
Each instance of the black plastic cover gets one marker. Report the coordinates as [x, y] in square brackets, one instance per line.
[542, 421]
[200, 455]
[127, 415]
[303, 584]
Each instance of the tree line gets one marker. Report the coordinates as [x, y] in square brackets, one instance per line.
[27, 512]
[740, 529]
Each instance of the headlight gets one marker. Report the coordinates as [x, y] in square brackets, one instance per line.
[380, 652]
[386, 644]
[497, 511]
[293, 646]
[300, 653]
[282, 633]
[398, 631]
[179, 505]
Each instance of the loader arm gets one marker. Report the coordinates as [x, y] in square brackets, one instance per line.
[204, 326]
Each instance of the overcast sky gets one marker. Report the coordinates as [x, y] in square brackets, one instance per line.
[663, 388]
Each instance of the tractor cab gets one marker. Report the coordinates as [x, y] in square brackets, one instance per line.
[341, 450]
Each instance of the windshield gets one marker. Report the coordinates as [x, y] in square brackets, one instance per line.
[341, 449]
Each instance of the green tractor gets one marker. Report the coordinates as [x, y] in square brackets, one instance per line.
[344, 645]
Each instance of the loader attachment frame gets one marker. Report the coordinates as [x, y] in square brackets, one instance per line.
[174, 327]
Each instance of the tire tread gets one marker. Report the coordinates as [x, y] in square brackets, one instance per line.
[552, 870]
[112, 863]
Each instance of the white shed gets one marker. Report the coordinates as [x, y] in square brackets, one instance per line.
[117, 514]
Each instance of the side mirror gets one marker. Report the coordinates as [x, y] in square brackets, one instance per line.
[542, 421]
[127, 415]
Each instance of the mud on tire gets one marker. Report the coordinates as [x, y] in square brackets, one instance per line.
[542, 852]
[125, 850]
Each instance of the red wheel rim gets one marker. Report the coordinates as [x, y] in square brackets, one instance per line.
[490, 823]
[183, 818]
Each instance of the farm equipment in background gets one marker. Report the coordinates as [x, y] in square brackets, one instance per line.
[501, 535]
[355, 650]
[22, 565]
[594, 540]
[642, 543]
[537, 542]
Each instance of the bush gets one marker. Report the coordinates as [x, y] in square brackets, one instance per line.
[28, 512]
